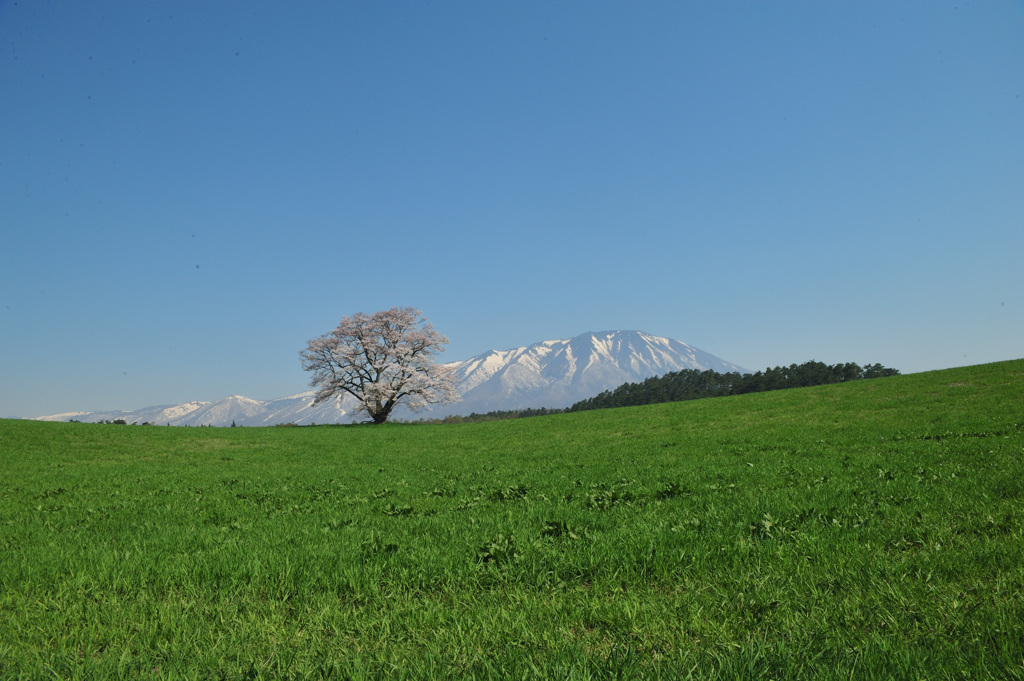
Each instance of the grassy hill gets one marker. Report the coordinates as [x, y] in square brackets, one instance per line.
[867, 530]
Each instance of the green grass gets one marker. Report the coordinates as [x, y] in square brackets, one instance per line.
[869, 530]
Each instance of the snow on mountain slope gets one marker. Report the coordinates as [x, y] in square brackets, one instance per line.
[175, 414]
[558, 373]
[553, 374]
[236, 409]
[298, 409]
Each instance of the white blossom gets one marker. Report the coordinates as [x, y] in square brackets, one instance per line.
[382, 360]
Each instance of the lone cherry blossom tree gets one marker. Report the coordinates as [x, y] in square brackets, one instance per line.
[382, 360]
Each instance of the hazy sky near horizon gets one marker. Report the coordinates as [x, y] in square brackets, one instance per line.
[189, 191]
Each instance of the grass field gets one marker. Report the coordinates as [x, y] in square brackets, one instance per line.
[868, 530]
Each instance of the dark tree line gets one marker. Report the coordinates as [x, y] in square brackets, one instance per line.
[503, 415]
[694, 384]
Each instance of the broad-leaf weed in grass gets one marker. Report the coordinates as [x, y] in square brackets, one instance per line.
[867, 530]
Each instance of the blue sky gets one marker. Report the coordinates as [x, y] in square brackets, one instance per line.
[189, 191]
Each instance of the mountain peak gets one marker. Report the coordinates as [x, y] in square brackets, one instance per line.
[558, 373]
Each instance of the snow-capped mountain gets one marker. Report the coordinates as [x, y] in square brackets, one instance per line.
[176, 414]
[236, 409]
[559, 373]
[553, 374]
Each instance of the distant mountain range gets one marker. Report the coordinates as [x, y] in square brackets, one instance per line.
[236, 409]
[553, 374]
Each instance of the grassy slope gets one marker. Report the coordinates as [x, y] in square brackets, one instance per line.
[873, 530]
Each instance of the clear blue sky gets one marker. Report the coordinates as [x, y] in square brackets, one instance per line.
[190, 190]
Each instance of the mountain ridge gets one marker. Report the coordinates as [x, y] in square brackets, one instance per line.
[546, 374]
[558, 373]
